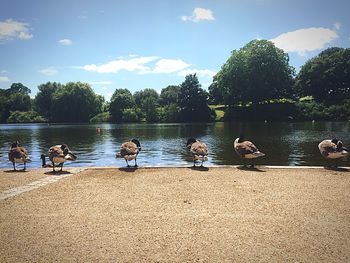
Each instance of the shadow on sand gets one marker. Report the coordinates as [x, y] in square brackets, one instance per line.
[57, 172]
[15, 171]
[337, 169]
[128, 169]
[252, 169]
[199, 168]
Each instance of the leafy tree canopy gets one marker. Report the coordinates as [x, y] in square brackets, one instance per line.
[257, 72]
[327, 76]
[121, 99]
[169, 95]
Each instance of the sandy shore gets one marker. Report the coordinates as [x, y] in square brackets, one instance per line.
[177, 215]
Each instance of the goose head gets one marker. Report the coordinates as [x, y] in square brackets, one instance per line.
[190, 141]
[136, 141]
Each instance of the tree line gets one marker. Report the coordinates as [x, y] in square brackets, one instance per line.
[255, 83]
[77, 102]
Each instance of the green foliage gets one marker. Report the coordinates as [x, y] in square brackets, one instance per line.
[169, 95]
[327, 76]
[150, 107]
[25, 117]
[15, 98]
[215, 93]
[169, 113]
[132, 115]
[43, 99]
[75, 102]
[313, 110]
[193, 101]
[257, 72]
[261, 112]
[139, 96]
[121, 99]
[101, 117]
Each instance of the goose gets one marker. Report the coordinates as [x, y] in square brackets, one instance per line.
[246, 150]
[333, 149]
[18, 154]
[129, 151]
[58, 154]
[199, 150]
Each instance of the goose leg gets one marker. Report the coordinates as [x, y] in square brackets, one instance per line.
[24, 168]
[53, 167]
[127, 163]
[135, 163]
[202, 162]
[14, 166]
[61, 167]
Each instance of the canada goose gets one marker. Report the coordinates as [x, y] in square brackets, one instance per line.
[129, 151]
[58, 154]
[18, 154]
[199, 150]
[333, 150]
[246, 150]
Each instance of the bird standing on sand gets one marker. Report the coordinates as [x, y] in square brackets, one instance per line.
[199, 150]
[129, 151]
[58, 154]
[246, 150]
[333, 150]
[18, 154]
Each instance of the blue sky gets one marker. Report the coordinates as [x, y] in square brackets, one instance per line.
[152, 44]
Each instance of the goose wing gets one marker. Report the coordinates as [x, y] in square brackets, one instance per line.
[128, 148]
[245, 147]
[326, 147]
[55, 151]
[199, 148]
[17, 153]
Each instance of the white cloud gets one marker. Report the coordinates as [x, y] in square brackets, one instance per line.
[337, 25]
[170, 65]
[134, 64]
[11, 29]
[199, 14]
[204, 73]
[65, 42]
[305, 40]
[105, 82]
[4, 79]
[50, 71]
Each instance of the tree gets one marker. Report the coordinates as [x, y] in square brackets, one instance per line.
[193, 101]
[122, 99]
[139, 96]
[75, 102]
[256, 73]
[215, 94]
[43, 99]
[327, 76]
[15, 98]
[169, 95]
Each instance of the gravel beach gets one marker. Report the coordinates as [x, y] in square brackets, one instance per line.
[215, 214]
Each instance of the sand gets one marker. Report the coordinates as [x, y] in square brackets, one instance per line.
[179, 215]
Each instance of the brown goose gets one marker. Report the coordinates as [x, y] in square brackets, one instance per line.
[199, 150]
[129, 151]
[333, 150]
[18, 154]
[58, 154]
[246, 150]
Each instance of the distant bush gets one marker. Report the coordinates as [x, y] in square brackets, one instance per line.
[312, 110]
[273, 111]
[101, 117]
[25, 117]
[132, 115]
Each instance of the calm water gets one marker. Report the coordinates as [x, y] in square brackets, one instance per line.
[164, 144]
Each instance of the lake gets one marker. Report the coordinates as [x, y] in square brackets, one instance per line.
[164, 144]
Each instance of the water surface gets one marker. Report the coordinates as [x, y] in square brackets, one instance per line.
[164, 144]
